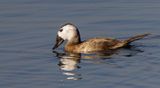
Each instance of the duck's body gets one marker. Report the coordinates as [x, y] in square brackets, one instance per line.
[94, 44]
[74, 44]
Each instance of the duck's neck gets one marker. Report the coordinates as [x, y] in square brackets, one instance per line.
[72, 44]
[74, 41]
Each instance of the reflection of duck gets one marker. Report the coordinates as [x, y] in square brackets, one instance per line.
[74, 44]
[68, 61]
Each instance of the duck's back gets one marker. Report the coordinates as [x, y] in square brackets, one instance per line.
[98, 44]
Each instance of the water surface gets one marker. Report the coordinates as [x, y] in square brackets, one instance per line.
[28, 30]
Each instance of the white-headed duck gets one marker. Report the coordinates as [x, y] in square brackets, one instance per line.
[70, 33]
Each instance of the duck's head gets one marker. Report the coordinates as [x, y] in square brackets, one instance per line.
[67, 32]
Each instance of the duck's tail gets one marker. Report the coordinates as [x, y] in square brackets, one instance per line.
[137, 37]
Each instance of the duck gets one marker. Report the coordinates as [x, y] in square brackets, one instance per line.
[69, 32]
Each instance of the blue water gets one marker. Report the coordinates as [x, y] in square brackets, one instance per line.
[28, 30]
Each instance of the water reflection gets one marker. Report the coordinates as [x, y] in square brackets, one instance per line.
[69, 62]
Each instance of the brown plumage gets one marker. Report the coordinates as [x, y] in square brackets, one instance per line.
[74, 44]
[101, 44]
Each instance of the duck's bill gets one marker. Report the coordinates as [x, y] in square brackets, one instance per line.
[59, 41]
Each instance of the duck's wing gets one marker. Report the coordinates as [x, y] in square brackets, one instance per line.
[99, 44]
[109, 43]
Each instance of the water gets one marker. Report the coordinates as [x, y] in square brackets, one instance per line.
[28, 30]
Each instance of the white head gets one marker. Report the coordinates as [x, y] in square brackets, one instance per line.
[67, 32]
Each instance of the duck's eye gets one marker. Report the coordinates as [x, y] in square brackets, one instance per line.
[61, 30]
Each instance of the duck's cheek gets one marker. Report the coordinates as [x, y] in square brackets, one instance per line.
[62, 35]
